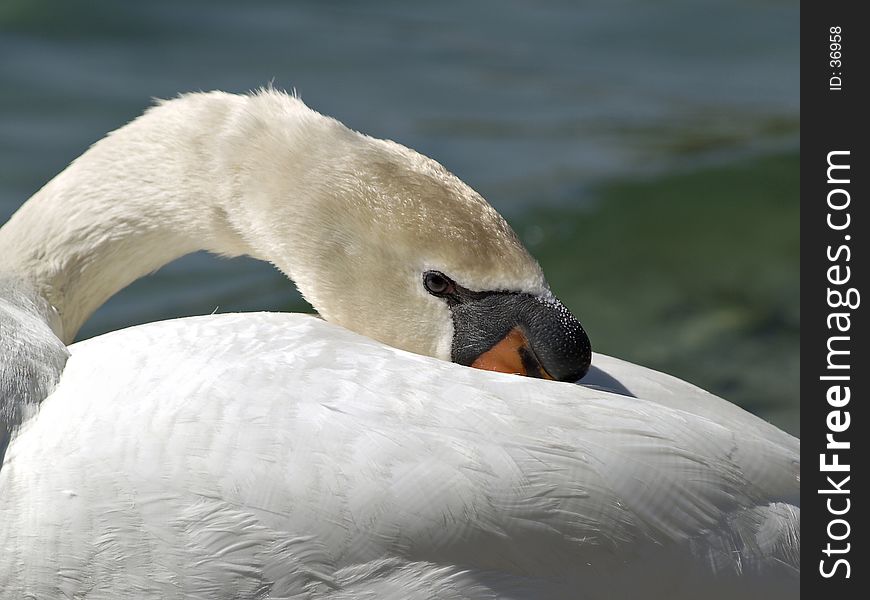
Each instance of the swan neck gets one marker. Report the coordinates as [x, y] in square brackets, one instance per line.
[147, 194]
[353, 221]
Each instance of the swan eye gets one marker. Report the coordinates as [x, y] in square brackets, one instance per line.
[437, 283]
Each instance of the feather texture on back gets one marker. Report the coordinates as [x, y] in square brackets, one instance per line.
[303, 460]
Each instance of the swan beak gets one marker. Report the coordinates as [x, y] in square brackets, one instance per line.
[531, 335]
[513, 354]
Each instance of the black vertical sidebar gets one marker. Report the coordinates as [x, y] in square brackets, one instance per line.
[835, 436]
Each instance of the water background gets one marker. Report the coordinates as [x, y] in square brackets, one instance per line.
[549, 109]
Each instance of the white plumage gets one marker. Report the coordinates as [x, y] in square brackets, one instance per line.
[270, 455]
[281, 456]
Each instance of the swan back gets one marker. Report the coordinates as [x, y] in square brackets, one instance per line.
[332, 465]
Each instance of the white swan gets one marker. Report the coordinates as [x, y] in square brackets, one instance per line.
[273, 455]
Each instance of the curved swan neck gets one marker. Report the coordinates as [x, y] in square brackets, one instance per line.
[352, 220]
[161, 187]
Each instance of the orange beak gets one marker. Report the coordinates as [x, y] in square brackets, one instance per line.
[513, 354]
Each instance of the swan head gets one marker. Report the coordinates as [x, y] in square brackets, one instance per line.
[388, 243]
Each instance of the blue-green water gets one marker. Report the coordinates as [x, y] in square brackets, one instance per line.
[541, 106]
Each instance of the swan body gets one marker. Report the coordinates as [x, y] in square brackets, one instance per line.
[332, 466]
[279, 456]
